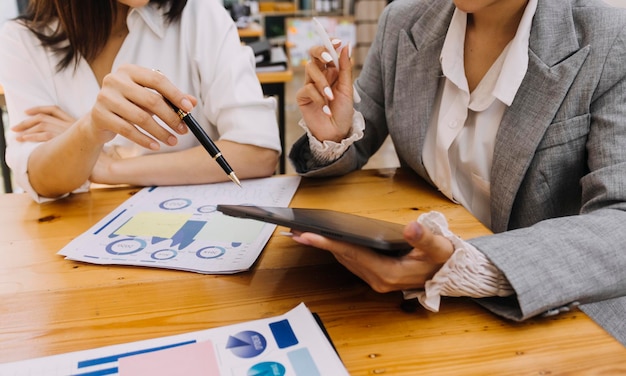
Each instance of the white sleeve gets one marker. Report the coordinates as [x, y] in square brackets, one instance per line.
[468, 272]
[25, 86]
[329, 151]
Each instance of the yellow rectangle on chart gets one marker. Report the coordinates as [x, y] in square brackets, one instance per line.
[163, 225]
[229, 229]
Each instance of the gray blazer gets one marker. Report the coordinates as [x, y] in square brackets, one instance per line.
[558, 181]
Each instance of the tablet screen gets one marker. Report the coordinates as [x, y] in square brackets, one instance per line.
[381, 235]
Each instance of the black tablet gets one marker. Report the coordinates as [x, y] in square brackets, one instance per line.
[382, 236]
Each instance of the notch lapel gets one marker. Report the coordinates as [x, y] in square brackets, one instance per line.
[416, 81]
[552, 67]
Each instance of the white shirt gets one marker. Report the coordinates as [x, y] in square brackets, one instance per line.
[458, 151]
[460, 140]
[458, 154]
[8, 10]
[201, 54]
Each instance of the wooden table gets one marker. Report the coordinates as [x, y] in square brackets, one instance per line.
[49, 305]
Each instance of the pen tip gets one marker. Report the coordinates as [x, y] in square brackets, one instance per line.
[234, 178]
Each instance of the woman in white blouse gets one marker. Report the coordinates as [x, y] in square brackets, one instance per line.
[84, 83]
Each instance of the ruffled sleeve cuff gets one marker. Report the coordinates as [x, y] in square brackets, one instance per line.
[468, 272]
[328, 151]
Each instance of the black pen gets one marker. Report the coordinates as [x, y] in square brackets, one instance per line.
[205, 141]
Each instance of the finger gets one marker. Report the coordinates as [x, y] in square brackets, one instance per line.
[316, 76]
[154, 104]
[35, 137]
[344, 75]
[375, 269]
[156, 80]
[53, 111]
[130, 84]
[435, 248]
[320, 57]
[24, 125]
[41, 120]
[337, 247]
[318, 241]
[121, 121]
[310, 95]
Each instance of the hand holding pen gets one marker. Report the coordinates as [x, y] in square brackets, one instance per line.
[205, 141]
[326, 101]
[321, 32]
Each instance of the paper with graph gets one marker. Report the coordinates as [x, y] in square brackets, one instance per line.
[178, 227]
[290, 344]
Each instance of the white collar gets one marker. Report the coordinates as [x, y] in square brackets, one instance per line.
[515, 64]
[151, 16]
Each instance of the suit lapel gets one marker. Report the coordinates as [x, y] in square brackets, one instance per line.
[552, 67]
[417, 76]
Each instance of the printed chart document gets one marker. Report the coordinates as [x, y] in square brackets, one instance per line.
[290, 344]
[178, 227]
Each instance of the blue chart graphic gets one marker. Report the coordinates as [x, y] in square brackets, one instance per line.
[246, 344]
[185, 236]
[175, 204]
[207, 209]
[125, 246]
[108, 364]
[283, 334]
[267, 369]
[211, 252]
[164, 254]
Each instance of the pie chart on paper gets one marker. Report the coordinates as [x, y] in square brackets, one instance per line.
[246, 344]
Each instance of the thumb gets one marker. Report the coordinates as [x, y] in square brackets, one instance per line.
[435, 248]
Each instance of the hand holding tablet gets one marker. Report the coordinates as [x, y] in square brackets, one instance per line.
[382, 236]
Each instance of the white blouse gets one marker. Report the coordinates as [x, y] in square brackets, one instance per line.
[201, 54]
[458, 154]
[459, 144]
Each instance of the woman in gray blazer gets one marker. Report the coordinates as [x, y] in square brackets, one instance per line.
[517, 110]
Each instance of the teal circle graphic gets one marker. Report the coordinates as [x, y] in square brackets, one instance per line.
[267, 369]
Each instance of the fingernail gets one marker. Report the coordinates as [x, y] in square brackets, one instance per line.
[329, 93]
[300, 240]
[335, 41]
[186, 105]
[349, 50]
[286, 233]
[417, 230]
[171, 140]
[326, 110]
[326, 57]
[154, 146]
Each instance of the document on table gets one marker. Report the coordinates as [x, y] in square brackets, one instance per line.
[290, 344]
[178, 227]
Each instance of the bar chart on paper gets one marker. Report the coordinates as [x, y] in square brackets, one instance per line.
[179, 227]
[290, 344]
